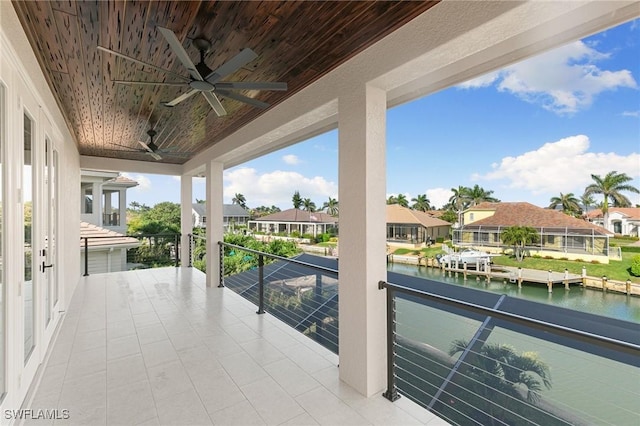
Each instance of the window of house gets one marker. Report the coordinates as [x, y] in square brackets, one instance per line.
[88, 200]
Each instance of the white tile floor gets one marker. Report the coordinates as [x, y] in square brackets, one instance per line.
[158, 347]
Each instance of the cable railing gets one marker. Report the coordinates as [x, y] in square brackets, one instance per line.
[299, 293]
[137, 251]
[482, 363]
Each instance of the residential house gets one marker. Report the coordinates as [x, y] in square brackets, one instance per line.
[61, 111]
[103, 199]
[414, 228]
[233, 214]
[561, 235]
[105, 250]
[621, 220]
[295, 220]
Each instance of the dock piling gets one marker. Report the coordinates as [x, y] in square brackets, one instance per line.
[550, 283]
[566, 279]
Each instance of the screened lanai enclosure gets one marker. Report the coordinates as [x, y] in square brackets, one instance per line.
[550, 241]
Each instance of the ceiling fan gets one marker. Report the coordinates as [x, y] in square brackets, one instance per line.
[202, 78]
[153, 150]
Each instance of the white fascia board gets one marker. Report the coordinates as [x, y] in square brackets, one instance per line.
[130, 166]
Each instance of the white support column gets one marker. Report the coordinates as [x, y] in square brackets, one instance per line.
[97, 203]
[214, 221]
[362, 195]
[122, 209]
[186, 216]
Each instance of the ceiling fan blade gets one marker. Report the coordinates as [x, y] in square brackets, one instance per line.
[245, 99]
[149, 83]
[215, 103]
[241, 59]
[182, 54]
[175, 154]
[180, 98]
[155, 156]
[129, 58]
[146, 147]
[251, 85]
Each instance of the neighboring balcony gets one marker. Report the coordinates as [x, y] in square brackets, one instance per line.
[111, 219]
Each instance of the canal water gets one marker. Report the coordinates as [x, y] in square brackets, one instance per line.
[609, 304]
[586, 389]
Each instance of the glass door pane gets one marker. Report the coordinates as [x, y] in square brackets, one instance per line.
[27, 205]
[53, 230]
[47, 289]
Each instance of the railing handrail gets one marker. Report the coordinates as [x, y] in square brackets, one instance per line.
[274, 256]
[618, 345]
[129, 235]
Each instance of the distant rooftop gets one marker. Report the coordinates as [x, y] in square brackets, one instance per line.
[106, 237]
[297, 215]
[398, 214]
[228, 210]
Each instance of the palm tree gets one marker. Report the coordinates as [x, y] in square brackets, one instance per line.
[519, 237]
[587, 201]
[331, 207]
[611, 187]
[308, 205]
[570, 204]
[478, 194]
[240, 200]
[459, 200]
[297, 200]
[421, 203]
[498, 372]
[398, 199]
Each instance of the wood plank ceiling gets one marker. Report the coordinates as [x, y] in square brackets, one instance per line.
[297, 42]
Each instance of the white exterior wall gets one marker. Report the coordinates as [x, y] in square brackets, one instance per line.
[25, 87]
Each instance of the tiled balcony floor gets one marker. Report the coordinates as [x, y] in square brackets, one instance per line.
[157, 347]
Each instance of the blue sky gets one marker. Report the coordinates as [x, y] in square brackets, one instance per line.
[527, 132]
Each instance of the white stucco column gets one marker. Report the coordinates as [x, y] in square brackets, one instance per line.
[214, 221]
[122, 209]
[362, 195]
[186, 216]
[97, 203]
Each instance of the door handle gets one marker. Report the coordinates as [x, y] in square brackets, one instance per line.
[44, 267]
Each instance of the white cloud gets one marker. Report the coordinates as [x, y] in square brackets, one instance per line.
[562, 166]
[631, 113]
[291, 159]
[564, 80]
[276, 187]
[438, 196]
[144, 183]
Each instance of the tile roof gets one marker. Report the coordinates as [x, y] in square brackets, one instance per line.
[227, 210]
[398, 214]
[526, 214]
[106, 238]
[297, 215]
[628, 212]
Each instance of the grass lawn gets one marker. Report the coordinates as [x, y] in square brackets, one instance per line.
[615, 270]
[327, 244]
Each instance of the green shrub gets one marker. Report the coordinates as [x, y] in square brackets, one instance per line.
[635, 265]
[440, 240]
[309, 237]
[295, 234]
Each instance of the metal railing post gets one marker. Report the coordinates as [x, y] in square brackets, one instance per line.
[190, 242]
[221, 269]
[177, 248]
[86, 256]
[392, 392]
[260, 284]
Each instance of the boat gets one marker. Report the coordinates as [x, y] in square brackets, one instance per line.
[469, 256]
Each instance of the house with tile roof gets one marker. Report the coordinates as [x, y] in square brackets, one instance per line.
[413, 228]
[621, 220]
[295, 220]
[105, 250]
[232, 214]
[561, 236]
[104, 199]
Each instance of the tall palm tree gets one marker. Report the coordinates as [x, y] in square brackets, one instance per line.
[421, 203]
[519, 237]
[498, 372]
[308, 205]
[331, 207]
[240, 200]
[392, 199]
[459, 200]
[570, 204]
[297, 200]
[478, 194]
[611, 187]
